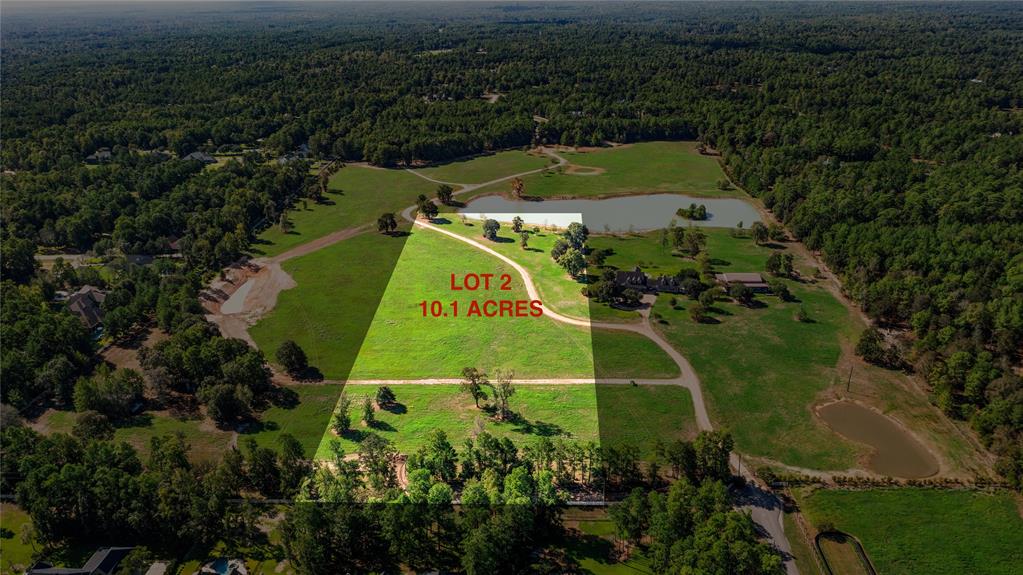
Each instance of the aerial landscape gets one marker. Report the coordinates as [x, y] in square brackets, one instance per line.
[511, 287]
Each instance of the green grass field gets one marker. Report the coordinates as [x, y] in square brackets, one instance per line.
[591, 544]
[641, 415]
[359, 195]
[728, 253]
[206, 441]
[485, 168]
[15, 556]
[914, 531]
[305, 419]
[565, 411]
[633, 169]
[326, 313]
[610, 414]
[761, 369]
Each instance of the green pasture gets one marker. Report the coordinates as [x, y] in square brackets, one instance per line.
[485, 168]
[358, 195]
[610, 414]
[916, 531]
[650, 167]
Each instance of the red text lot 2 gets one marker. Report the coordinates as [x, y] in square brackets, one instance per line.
[474, 282]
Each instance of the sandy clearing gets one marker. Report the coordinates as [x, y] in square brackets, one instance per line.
[236, 303]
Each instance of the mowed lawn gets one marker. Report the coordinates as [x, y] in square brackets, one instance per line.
[916, 531]
[327, 312]
[358, 195]
[609, 414]
[760, 368]
[331, 309]
[591, 543]
[727, 252]
[15, 556]
[559, 290]
[305, 413]
[650, 167]
[486, 168]
[555, 411]
[641, 415]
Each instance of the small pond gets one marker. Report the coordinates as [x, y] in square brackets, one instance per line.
[896, 452]
[647, 212]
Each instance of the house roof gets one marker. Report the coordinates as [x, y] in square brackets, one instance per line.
[86, 304]
[634, 278]
[202, 157]
[102, 562]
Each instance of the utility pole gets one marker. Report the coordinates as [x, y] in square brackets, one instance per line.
[848, 382]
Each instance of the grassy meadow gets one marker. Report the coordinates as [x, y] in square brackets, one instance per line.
[305, 413]
[642, 168]
[485, 168]
[357, 196]
[609, 414]
[206, 441]
[565, 411]
[761, 369]
[915, 531]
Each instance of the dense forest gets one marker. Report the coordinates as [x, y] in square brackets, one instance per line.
[884, 136]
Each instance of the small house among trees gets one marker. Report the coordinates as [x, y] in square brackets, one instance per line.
[751, 280]
[201, 157]
[86, 303]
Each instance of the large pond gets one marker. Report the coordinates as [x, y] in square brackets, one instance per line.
[896, 452]
[648, 212]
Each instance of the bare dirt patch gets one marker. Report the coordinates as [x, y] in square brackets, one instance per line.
[125, 354]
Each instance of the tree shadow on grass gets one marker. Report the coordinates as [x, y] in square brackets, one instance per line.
[538, 428]
[503, 240]
[310, 373]
[381, 426]
[140, 420]
[583, 545]
[397, 408]
[281, 397]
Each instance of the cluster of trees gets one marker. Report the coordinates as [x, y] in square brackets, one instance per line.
[225, 374]
[351, 513]
[87, 490]
[693, 529]
[570, 250]
[693, 212]
[143, 203]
